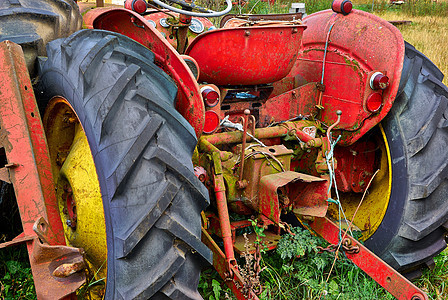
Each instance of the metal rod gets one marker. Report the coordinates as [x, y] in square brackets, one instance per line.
[260, 133]
[243, 146]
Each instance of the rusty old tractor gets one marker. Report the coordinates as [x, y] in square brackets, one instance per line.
[158, 129]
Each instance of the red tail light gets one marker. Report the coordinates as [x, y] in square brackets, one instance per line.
[211, 121]
[210, 96]
[374, 102]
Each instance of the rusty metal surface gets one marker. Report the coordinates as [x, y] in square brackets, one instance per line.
[271, 17]
[234, 280]
[223, 211]
[288, 105]
[359, 45]
[23, 139]
[171, 31]
[304, 194]
[58, 271]
[189, 102]
[382, 273]
[17, 241]
[269, 242]
[47, 261]
[258, 55]
[356, 165]
[262, 161]
[260, 133]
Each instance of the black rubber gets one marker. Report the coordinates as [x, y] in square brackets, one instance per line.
[412, 231]
[32, 24]
[142, 149]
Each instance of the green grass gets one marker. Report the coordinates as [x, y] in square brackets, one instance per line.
[298, 270]
[16, 280]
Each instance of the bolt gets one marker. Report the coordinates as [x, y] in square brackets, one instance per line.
[66, 270]
[69, 120]
[247, 33]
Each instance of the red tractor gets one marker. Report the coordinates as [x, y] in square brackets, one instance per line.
[158, 129]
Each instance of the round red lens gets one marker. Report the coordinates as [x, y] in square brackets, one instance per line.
[210, 96]
[374, 102]
[211, 121]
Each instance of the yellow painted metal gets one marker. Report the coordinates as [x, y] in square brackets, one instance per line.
[77, 185]
[78, 174]
[374, 206]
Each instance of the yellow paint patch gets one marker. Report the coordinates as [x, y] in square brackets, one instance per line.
[374, 206]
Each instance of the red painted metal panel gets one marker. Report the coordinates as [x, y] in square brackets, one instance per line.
[131, 24]
[307, 194]
[246, 55]
[23, 138]
[359, 45]
[25, 145]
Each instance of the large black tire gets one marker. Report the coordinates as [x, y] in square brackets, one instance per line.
[142, 149]
[32, 24]
[412, 231]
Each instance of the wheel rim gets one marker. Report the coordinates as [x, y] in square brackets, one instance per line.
[373, 208]
[78, 191]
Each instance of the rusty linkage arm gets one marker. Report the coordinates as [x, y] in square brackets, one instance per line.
[28, 169]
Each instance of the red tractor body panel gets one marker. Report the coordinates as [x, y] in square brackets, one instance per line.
[246, 55]
[359, 44]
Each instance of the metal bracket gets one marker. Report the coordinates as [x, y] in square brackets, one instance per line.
[29, 170]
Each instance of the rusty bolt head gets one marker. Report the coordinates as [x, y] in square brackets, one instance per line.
[68, 269]
[241, 184]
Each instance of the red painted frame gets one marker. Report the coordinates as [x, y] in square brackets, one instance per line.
[29, 170]
[359, 44]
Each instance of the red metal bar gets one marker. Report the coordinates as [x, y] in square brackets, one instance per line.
[382, 273]
[260, 133]
[25, 145]
[223, 212]
[23, 138]
[235, 282]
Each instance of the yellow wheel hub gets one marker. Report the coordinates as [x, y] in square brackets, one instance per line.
[78, 190]
[374, 206]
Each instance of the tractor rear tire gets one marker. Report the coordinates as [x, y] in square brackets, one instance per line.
[32, 24]
[142, 150]
[412, 231]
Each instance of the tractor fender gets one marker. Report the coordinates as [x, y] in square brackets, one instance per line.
[189, 101]
[355, 47]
